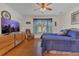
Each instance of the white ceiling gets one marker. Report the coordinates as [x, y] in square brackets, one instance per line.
[27, 9]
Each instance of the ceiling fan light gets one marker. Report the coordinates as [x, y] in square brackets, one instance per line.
[42, 9]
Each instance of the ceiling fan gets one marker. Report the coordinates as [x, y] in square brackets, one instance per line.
[44, 6]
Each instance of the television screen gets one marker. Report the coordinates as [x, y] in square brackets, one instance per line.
[9, 26]
[14, 26]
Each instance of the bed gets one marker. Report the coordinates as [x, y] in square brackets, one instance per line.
[62, 43]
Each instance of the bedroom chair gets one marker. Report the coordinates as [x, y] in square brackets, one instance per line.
[29, 35]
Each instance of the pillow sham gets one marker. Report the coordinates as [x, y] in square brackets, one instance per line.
[72, 34]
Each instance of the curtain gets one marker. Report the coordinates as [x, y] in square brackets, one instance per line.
[42, 25]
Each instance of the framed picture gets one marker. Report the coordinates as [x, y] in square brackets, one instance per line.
[28, 22]
[75, 18]
[5, 15]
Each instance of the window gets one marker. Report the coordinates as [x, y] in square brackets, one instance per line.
[42, 25]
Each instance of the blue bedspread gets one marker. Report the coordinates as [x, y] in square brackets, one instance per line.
[59, 43]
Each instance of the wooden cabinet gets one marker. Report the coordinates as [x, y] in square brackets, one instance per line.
[7, 42]
[23, 36]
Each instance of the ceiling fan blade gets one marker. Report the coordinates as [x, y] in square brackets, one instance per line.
[49, 9]
[38, 4]
[49, 4]
[36, 9]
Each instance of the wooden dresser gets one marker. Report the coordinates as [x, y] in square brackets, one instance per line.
[7, 42]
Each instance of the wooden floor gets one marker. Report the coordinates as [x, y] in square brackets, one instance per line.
[26, 48]
[32, 48]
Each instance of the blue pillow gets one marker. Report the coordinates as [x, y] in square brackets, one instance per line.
[72, 34]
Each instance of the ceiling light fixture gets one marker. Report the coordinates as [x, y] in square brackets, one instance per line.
[43, 7]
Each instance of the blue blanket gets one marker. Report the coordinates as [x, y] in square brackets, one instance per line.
[59, 43]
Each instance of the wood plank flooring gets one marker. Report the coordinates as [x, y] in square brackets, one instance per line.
[26, 48]
[32, 48]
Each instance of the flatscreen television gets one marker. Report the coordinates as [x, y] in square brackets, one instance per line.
[9, 26]
[14, 26]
